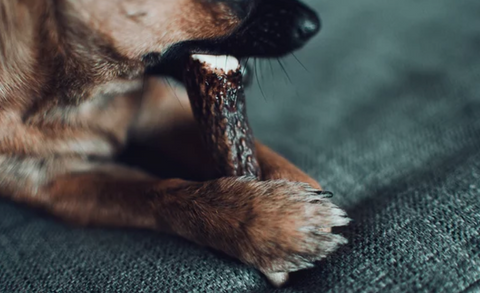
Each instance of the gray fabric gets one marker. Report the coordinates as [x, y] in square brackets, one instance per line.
[387, 116]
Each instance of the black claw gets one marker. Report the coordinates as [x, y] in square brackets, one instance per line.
[326, 194]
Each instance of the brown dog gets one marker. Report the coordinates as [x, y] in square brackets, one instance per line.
[76, 86]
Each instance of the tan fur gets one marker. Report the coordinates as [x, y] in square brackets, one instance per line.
[72, 95]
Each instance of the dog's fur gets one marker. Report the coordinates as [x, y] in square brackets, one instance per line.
[73, 94]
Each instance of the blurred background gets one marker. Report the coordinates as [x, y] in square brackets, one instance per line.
[383, 108]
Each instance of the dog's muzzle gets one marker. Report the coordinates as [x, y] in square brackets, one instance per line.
[270, 28]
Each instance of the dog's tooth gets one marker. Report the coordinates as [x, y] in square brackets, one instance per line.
[224, 62]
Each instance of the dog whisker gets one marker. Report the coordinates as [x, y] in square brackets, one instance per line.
[245, 65]
[300, 62]
[271, 67]
[284, 70]
[258, 81]
[262, 70]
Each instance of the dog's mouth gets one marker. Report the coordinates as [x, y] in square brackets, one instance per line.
[175, 60]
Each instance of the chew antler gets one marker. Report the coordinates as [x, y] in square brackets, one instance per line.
[216, 93]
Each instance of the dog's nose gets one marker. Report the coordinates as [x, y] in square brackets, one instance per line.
[308, 25]
[273, 28]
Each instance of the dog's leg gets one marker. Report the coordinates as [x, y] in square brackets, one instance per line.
[275, 166]
[275, 226]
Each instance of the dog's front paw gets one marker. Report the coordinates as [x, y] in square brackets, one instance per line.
[276, 226]
[290, 227]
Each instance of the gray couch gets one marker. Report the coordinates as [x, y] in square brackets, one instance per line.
[387, 116]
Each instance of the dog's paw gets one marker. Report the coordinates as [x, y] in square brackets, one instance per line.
[290, 229]
[276, 226]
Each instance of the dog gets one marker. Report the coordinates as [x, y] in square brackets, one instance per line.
[79, 84]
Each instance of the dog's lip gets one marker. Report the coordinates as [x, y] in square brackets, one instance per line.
[174, 61]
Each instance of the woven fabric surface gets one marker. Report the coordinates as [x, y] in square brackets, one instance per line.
[384, 110]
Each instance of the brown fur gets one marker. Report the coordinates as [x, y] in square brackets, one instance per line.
[70, 99]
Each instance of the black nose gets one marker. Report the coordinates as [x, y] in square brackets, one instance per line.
[272, 28]
[307, 25]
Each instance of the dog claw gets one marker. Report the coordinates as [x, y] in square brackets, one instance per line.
[326, 194]
[277, 279]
